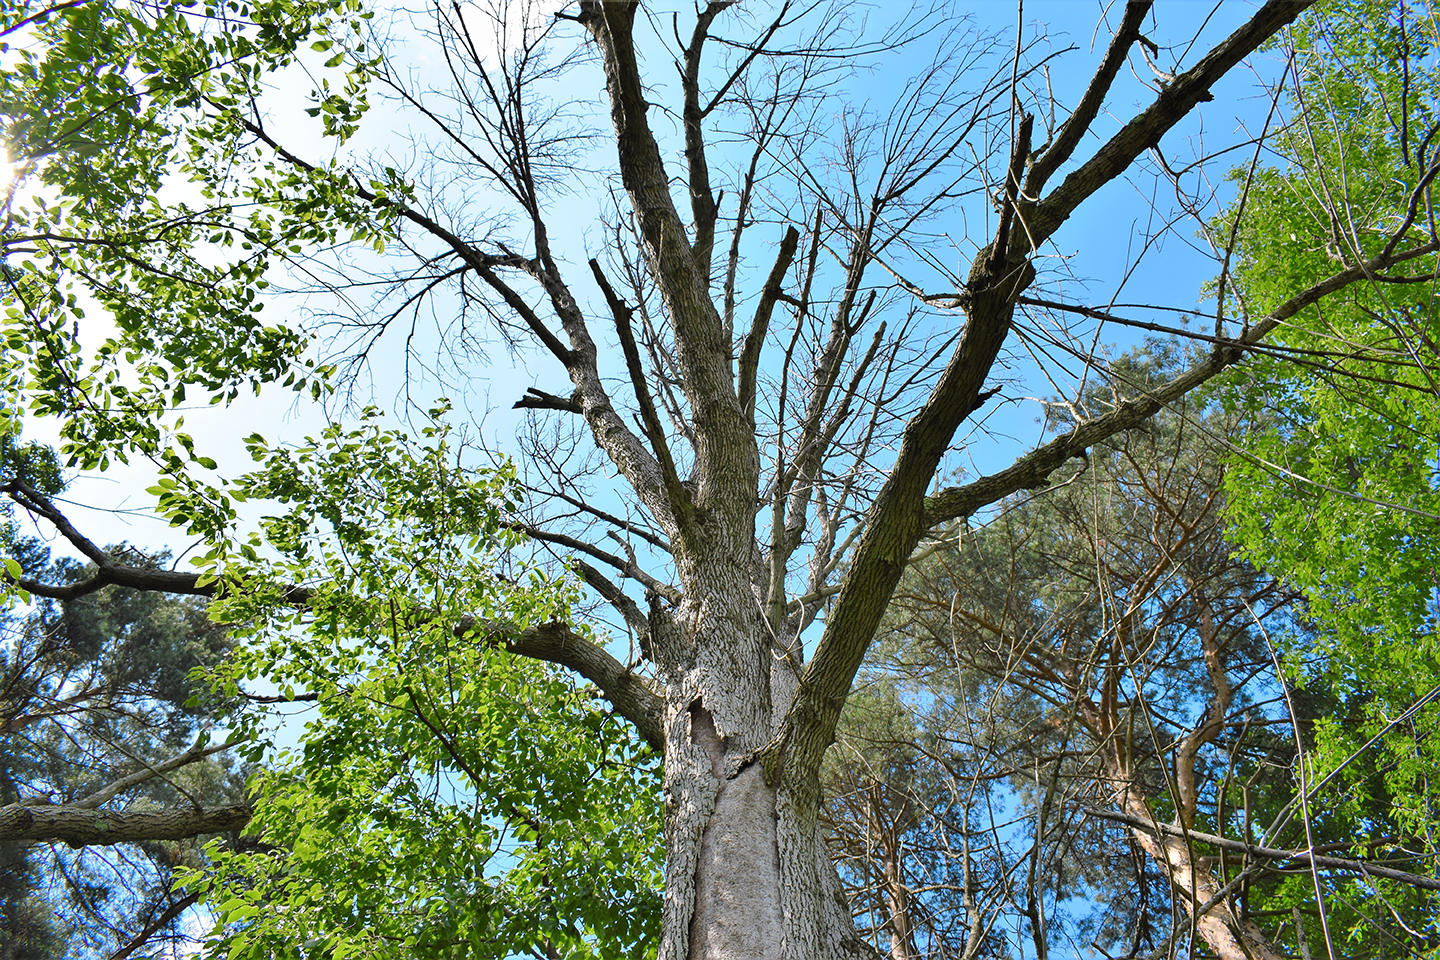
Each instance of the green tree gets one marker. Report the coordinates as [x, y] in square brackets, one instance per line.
[1340, 492]
[798, 374]
[107, 105]
[458, 800]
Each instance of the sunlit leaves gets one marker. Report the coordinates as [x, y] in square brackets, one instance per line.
[445, 798]
[125, 122]
[1339, 492]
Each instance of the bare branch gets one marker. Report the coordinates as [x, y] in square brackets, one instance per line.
[536, 399]
[755, 339]
[197, 751]
[1301, 858]
[681, 503]
[1034, 469]
[702, 197]
[1143, 132]
[168, 916]
[1089, 107]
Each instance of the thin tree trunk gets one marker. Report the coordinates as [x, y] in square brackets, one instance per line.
[1230, 936]
[897, 902]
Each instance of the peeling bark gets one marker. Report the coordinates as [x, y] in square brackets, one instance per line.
[1230, 936]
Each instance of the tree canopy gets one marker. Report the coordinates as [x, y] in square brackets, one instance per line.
[775, 440]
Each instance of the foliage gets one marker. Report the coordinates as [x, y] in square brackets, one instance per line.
[446, 798]
[34, 464]
[1340, 492]
[1347, 465]
[113, 114]
[143, 200]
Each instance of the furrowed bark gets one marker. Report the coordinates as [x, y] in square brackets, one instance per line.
[745, 875]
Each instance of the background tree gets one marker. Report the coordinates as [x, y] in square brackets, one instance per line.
[97, 714]
[1094, 673]
[780, 416]
[95, 717]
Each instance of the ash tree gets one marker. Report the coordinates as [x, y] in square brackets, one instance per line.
[760, 339]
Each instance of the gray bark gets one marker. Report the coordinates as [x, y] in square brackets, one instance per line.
[82, 826]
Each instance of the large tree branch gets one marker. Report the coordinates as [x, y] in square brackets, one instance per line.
[893, 526]
[680, 499]
[634, 700]
[82, 826]
[549, 642]
[755, 339]
[895, 521]
[108, 571]
[726, 457]
[1034, 469]
[641, 469]
[901, 513]
[1143, 132]
[703, 207]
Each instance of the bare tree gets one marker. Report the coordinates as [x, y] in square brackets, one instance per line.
[773, 357]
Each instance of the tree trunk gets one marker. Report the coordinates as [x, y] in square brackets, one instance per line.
[897, 901]
[746, 874]
[1231, 937]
